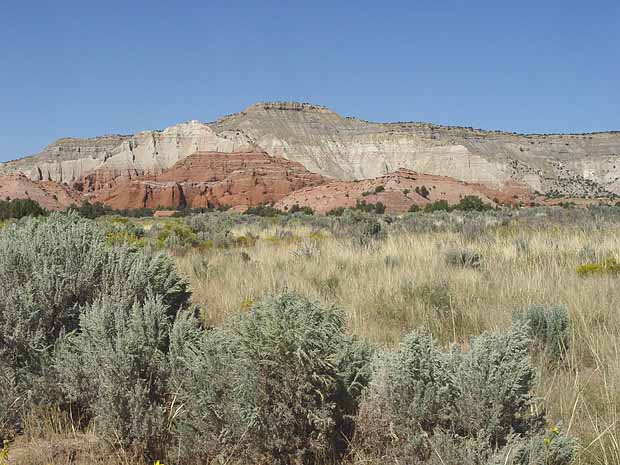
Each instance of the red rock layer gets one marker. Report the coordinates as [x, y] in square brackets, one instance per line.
[239, 180]
[49, 194]
[399, 192]
[103, 179]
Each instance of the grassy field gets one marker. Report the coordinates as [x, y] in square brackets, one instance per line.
[405, 282]
[455, 275]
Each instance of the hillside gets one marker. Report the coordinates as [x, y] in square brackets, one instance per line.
[49, 194]
[398, 191]
[324, 142]
[203, 179]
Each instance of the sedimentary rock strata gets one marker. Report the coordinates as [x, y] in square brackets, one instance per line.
[239, 179]
[578, 165]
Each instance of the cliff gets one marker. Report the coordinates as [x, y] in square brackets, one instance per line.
[239, 180]
[346, 148]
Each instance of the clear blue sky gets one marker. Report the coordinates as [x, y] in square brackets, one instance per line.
[86, 68]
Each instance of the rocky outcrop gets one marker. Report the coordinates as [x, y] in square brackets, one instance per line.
[348, 148]
[49, 194]
[345, 148]
[213, 179]
[398, 191]
[144, 153]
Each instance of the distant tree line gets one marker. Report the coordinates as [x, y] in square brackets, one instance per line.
[467, 203]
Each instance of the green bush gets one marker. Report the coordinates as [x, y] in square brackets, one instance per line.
[279, 382]
[495, 379]
[548, 328]
[391, 261]
[97, 210]
[423, 191]
[306, 210]
[464, 258]
[263, 210]
[475, 406]
[49, 269]
[410, 395]
[439, 205]
[522, 245]
[327, 287]
[471, 203]
[210, 208]
[19, 208]
[378, 207]
[552, 449]
[607, 266]
[174, 234]
[449, 448]
[361, 227]
[335, 211]
[92, 210]
[200, 265]
[436, 296]
[419, 384]
[209, 422]
[121, 230]
[115, 370]
[215, 227]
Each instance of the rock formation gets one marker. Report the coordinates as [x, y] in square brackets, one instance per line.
[348, 148]
[207, 179]
[49, 194]
[398, 191]
[345, 148]
[145, 153]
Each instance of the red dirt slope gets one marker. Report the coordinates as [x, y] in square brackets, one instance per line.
[399, 192]
[49, 194]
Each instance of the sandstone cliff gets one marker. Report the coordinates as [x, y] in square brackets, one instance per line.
[346, 148]
[144, 153]
[239, 180]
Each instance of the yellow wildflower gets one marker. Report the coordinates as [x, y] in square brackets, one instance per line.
[4, 453]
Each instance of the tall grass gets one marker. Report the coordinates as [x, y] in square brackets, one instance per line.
[381, 303]
[388, 284]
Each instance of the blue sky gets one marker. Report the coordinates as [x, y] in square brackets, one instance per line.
[82, 68]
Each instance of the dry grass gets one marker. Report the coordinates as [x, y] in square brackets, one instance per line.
[380, 289]
[405, 282]
[51, 438]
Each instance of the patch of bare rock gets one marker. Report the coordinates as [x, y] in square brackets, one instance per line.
[399, 190]
[49, 194]
[238, 179]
